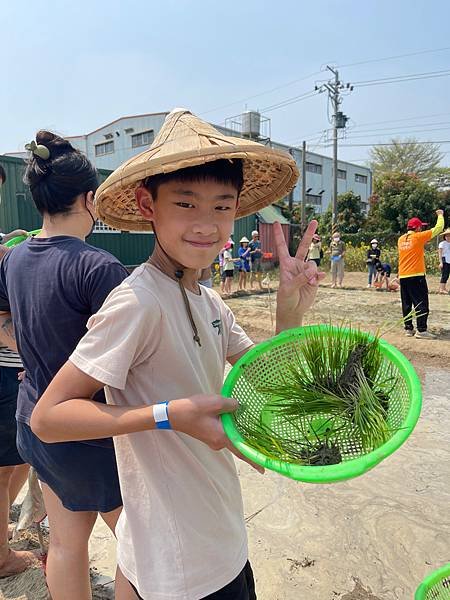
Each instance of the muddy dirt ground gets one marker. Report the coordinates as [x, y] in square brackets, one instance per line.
[371, 538]
[368, 308]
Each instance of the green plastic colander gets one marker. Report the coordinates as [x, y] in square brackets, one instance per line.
[267, 361]
[436, 586]
[15, 241]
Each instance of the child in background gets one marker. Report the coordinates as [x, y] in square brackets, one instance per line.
[159, 344]
[228, 269]
[243, 262]
[315, 250]
[222, 262]
[383, 274]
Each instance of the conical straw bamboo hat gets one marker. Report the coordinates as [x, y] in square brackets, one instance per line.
[186, 141]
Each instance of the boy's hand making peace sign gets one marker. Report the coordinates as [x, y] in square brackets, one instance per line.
[299, 280]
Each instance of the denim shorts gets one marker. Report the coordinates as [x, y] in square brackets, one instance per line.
[9, 386]
[82, 475]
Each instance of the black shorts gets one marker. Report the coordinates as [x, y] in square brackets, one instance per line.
[9, 386]
[241, 588]
[228, 273]
[445, 272]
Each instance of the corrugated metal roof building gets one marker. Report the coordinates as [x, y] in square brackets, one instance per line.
[267, 217]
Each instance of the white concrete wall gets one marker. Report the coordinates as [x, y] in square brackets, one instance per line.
[122, 141]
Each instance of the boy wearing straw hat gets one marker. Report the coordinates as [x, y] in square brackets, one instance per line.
[159, 346]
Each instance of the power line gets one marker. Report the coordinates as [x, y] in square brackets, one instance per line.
[392, 133]
[317, 144]
[374, 60]
[404, 127]
[278, 87]
[289, 101]
[394, 144]
[402, 120]
[402, 78]
[388, 131]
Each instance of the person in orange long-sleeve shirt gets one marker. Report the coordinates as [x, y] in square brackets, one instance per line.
[411, 271]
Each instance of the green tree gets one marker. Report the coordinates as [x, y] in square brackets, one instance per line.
[397, 197]
[350, 217]
[295, 218]
[295, 215]
[406, 156]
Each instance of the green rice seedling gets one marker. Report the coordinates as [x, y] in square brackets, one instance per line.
[296, 448]
[340, 375]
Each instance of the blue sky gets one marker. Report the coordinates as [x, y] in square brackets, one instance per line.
[74, 66]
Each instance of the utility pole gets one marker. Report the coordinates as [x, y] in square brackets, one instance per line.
[303, 204]
[334, 97]
[334, 88]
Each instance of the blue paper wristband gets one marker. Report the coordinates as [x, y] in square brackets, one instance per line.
[161, 415]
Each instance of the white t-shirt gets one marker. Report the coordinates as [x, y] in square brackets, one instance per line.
[445, 247]
[181, 535]
[228, 264]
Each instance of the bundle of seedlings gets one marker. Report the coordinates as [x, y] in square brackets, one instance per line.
[330, 402]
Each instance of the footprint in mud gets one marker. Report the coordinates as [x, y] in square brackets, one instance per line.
[359, 593]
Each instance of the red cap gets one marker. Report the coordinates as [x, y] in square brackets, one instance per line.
[415, 222]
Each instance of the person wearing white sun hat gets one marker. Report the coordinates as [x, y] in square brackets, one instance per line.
[373, 256]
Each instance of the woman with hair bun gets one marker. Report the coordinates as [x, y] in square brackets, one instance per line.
[51, 284]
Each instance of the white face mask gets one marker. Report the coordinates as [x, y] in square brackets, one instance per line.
[336, 239]
[374, 245]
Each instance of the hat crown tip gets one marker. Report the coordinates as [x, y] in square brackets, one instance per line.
[179, 109]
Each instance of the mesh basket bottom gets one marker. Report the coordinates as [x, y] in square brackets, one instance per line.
[311, 431]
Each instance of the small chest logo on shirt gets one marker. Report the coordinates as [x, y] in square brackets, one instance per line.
[217, 324]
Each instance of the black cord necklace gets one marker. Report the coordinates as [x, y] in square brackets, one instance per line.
[179, 274]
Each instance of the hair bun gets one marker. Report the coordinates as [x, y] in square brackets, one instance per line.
[56, 144]
[57, 180]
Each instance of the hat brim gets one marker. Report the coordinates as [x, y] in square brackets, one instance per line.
[269, 175]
